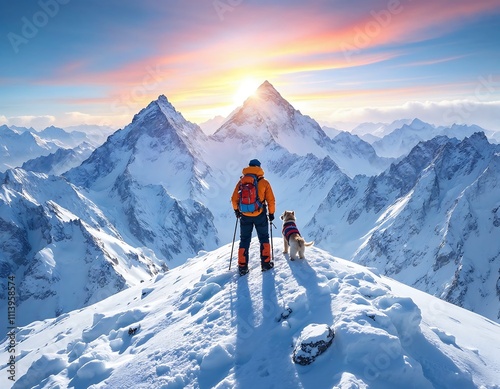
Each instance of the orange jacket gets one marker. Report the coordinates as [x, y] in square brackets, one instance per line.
[265, 191]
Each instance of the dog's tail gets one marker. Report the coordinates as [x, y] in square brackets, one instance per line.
[301, 241]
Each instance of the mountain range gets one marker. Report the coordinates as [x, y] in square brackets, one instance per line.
[53, 150]
[157, 192]
[429, 221]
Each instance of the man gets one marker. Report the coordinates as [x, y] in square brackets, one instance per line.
[257, 217]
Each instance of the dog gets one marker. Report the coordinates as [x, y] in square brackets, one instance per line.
[291, 236]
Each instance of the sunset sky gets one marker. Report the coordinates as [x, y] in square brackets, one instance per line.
[68, 62]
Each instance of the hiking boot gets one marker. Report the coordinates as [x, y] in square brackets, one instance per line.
[243, 270]
[267, 266]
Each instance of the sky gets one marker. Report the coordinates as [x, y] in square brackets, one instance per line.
[67, 62]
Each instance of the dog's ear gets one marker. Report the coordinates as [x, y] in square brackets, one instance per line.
[293, 213]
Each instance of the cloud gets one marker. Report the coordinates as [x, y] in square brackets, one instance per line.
[65, 120]
[37, 122]
[69, 119]
[442, 113]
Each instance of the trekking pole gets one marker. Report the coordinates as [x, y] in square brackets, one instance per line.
[271, 225]
[232, 247]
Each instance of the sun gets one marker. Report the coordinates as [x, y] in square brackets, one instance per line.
[247, 88]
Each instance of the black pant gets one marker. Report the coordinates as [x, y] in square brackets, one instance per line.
[246, 228]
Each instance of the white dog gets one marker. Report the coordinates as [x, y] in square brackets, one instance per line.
[291, 236]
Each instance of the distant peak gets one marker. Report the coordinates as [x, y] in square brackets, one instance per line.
[165, 105]
[266, 87]
[479, 139]
[265, 101]
[418, 124]
[266, 84]
[267, 92]
[163, 98]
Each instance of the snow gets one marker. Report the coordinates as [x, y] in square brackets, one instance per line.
[200, 325]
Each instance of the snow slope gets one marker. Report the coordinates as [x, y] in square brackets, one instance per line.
[201, 326]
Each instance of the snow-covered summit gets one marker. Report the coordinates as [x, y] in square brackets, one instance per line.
[148, 178]
[266, 91]
[157, 144]
[266, 121]
[267, 117]
[202, 326]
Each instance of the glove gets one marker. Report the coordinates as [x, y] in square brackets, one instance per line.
[271, 217]
[237, 213]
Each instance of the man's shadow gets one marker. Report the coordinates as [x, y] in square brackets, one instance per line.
[245, 319]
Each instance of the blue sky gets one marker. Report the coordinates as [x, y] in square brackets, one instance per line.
[66, 62]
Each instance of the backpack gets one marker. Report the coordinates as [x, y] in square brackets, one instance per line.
[249, 194]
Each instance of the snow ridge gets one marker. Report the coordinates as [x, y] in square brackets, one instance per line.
[199, 325]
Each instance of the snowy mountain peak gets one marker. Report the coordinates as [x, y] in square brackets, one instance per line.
[167, 108]
[161, 107]
[266, 103]
[268, 121]
[478, 140]
[418, 124]
[267, 91]
[435, 214]
[266, 118]
[4, 129]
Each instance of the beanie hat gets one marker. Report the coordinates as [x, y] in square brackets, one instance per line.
[254, 162]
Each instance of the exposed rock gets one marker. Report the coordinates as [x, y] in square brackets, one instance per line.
[313, 341]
